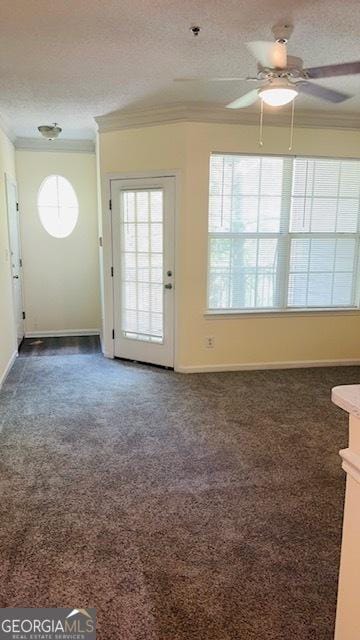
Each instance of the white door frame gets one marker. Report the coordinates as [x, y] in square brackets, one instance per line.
[11, 182]
[108, 345]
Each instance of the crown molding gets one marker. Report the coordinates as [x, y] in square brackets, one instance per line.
[206, 112]
[60, 144]
[7, 129]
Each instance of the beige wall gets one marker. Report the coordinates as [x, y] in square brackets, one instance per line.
[148, 149]
[8, 343]
[249, 340]
[61, 275]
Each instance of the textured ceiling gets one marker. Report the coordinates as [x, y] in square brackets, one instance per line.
[71, 60]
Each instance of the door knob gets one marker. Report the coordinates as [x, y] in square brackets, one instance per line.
[168, 285]
[17, 277]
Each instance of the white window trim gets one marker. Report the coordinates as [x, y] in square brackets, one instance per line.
[294, 311]
[284, 310]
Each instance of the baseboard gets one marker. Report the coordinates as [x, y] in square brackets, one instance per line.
[4, 375]
[62, 333]
[253, 366]
[106, 354]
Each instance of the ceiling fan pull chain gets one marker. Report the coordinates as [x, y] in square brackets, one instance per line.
[261, 141]
[292, 125]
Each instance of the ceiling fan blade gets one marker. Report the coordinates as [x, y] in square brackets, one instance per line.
[245, 100]
[269, 54]
[209, 79]
[321, 92]
[330, 70]
[261, 51]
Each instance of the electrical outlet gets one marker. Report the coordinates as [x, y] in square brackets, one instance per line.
[209, 342]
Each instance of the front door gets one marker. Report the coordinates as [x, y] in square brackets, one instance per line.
[143, 269]
[15, 256]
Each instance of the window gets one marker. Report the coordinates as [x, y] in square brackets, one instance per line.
[58, 206]
[283, 233]
[142, 264]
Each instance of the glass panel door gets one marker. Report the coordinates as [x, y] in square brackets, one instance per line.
[142, 220]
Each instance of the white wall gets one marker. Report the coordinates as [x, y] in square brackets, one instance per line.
[253, 340]
[61, 275]
[8, 342]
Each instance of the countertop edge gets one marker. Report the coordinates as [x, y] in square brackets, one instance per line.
[347, 397]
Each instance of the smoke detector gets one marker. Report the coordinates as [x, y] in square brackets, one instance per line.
[195, 30]
[50, 132]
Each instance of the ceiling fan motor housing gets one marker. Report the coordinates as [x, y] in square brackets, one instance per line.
[294, 69]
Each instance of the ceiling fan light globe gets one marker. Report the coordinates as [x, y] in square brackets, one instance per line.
[278, 96]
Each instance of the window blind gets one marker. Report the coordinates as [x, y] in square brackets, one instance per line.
[283, 232]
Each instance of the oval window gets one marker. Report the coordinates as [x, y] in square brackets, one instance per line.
[58, 206]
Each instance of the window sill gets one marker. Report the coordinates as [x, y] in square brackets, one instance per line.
[271, 313]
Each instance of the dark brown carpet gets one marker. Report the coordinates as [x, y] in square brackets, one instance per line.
[203, 507]
[66, 346]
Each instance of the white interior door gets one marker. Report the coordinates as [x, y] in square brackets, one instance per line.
[143, 269]
[15, 255]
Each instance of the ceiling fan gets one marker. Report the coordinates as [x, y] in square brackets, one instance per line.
[282, 77]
